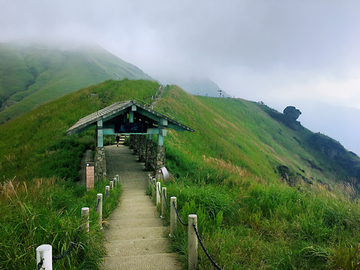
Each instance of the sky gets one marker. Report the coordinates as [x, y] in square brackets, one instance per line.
[282, 52]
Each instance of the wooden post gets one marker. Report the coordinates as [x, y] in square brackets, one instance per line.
[85, 216]
[163, 202]
[99, 210]
[192, 243]
[158, 190]
[44, 254]
[107, 191]
[173, 217]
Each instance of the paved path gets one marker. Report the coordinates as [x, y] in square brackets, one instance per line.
[135, 237]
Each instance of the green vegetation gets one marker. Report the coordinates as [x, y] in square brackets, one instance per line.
[33, 74]
[266, 196]
[229, 173]
[39, 200]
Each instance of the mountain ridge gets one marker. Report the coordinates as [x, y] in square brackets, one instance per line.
[33, 74]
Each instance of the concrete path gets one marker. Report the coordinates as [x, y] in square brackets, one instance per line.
[135, 236]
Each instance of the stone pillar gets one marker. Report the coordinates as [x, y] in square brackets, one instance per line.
[100, 163]
[149, 159]
[142, 148]
[160, 156]
[136, 144]
[132, 140]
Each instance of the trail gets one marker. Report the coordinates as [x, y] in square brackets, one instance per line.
[135, 236]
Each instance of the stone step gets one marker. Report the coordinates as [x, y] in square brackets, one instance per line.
[120, 248]
[134, 209]
[138, 233]
[135, 223]
[136, 203]
[166, 261]
[136, 215]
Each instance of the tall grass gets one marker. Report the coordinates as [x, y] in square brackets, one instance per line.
[47, 211]
[248, 217]
[39, 200]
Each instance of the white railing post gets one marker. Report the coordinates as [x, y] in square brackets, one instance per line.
[99, 210]
[44, 254]
[111, 184]
[107, 191]
[115, 182]
[163, 202]
[173, 217]
[85, 216]
[192, 243]
[158, 190]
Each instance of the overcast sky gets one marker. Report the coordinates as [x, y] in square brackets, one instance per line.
[282, 52]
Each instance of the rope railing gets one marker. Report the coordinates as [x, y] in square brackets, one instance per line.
[192, 264]
[179, 218]
[203, 247]
[44, 256]
[168, 205]
[73, 243]
[97, 205]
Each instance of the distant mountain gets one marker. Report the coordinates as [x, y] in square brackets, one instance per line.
[32, 74]
[202, 86]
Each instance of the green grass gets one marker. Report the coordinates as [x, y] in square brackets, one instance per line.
[227, 172]
[249, 218]
[32, 75]
[39, 200]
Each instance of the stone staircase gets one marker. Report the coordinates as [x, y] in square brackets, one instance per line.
[135, 237]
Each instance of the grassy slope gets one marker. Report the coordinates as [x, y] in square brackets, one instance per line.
[225, 173]
[41, 74]
[248, 218]
[37, 206]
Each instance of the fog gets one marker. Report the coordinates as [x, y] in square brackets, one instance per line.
[300, 53]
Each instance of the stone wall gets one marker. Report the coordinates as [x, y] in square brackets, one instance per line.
[149, 162]
[160, 156]
[142, 148]
[100, 163]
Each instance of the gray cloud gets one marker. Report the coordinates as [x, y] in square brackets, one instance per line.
[282, 52]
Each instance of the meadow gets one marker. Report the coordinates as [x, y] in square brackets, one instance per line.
[248, 216]
[230, 172]
[40, 202]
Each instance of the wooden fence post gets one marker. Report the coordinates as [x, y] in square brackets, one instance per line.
[85, 216]
[99, 210]
[173, 217]
[44, 254]
[163, 202]
[192, 243]
[107, 191]
[158, 190]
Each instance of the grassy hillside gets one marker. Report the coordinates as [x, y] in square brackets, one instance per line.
[39, 201]
[264, 197]
[31, 75]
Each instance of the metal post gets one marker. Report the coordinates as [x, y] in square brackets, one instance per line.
[158, 188]
[111, 184]
[85, 216]
[173, 218]
[192, 243]
[163, 202]
[44, 254]
[99, 210]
